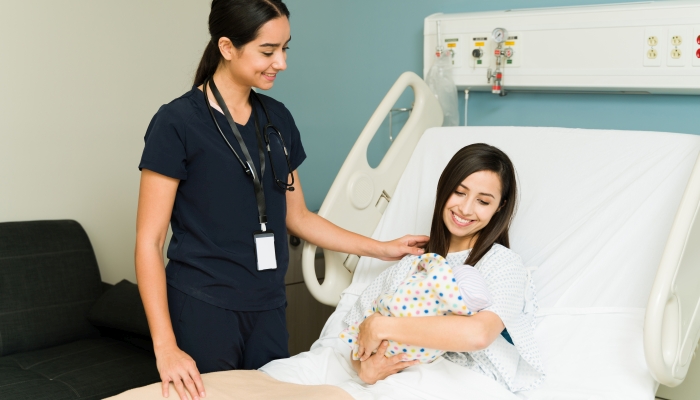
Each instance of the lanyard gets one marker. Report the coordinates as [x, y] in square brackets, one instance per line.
[248, 166]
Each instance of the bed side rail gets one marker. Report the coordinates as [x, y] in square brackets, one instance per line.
[672, 322]
[360, 193]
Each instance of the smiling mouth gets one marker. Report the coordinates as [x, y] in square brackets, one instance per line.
[461, 221]
[269, 77]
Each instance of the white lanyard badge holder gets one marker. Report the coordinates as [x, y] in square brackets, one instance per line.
[264, 238]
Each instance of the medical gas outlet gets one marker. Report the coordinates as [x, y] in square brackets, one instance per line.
[501, 56]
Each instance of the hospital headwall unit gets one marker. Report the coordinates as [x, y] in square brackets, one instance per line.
[651, 47]
[637, 48]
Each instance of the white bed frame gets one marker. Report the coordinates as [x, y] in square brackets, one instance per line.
[360, 193]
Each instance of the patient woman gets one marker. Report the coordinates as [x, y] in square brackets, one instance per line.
[475, 203]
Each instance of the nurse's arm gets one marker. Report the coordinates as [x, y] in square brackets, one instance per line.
[156, 199]
[317, 230]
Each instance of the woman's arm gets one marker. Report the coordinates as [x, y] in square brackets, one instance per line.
[156, 199]
[449, 333]
[319, 231]
[378, 366]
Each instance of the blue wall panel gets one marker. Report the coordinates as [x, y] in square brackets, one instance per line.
[345, 55]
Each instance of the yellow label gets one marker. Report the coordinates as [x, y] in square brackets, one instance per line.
[479, 44]
[451, 45]
[510, 43]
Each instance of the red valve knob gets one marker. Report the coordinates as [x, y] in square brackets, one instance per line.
[497, 52]
[499, 75]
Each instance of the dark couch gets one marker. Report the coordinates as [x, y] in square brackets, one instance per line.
[63, 333]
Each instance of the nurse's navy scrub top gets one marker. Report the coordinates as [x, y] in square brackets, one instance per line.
[212, 253]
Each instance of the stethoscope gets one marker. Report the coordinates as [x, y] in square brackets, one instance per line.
[268, 129]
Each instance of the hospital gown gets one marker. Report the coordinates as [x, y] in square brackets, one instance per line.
[517, 367]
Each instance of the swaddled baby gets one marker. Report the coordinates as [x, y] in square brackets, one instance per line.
[430, 288]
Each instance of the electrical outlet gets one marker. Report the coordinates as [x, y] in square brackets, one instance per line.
[678, 50]
[480, 50]
[695, 46]
[653, 47]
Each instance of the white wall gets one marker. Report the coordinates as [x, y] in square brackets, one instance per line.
[79, 83]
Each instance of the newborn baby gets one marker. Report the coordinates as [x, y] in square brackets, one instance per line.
[430, 288]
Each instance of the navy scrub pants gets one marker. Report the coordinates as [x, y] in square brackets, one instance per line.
[219, 339]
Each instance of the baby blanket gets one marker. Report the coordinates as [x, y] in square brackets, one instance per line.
[429, 289]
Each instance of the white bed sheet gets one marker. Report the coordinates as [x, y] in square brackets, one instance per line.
[595, 210]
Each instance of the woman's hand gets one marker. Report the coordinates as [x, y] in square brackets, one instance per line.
[174, 365]
[378, 366]
[397, 248]
[370, 338]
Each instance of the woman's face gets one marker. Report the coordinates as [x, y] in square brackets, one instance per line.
[470, 208]
[257, 63]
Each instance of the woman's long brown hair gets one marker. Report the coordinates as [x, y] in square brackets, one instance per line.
[468, 160]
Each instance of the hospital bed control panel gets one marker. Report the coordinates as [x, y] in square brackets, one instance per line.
[651, 47]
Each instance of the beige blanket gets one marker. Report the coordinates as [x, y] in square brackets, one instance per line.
[249, 385]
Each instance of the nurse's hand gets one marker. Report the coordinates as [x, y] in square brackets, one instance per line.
[176, 366]
[378, 366]
[398, 248]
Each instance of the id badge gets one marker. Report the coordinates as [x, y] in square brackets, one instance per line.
[265, 250]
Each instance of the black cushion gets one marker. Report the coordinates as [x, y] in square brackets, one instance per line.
[120, 308]
[48, 281]
[86, 370]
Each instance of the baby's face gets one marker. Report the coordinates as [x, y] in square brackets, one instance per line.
[471, 207]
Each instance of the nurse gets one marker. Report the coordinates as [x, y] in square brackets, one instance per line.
[220, 165]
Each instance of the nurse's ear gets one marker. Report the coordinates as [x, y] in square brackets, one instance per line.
[227, 49]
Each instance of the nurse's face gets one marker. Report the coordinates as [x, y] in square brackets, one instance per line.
[471, 207]
[257, 63]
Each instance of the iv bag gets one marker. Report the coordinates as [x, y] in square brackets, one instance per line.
[440, 81]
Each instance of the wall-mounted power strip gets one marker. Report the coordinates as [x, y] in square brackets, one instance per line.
[651, 47]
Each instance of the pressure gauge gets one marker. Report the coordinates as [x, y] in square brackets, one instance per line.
[499, 35]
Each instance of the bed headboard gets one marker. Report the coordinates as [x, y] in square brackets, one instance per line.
[359, 193]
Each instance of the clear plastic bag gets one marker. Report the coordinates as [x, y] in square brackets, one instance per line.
[440, 81]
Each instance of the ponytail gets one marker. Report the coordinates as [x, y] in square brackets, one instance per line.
[208, 64]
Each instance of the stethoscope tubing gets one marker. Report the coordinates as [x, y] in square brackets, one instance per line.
[266, 137]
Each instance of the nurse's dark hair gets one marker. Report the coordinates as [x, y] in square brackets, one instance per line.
[468, 160]
[239, 21]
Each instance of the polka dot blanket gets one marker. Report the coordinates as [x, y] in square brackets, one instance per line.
[430, 289]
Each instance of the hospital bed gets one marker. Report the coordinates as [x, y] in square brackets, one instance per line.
[607, 222]
[608, 218]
